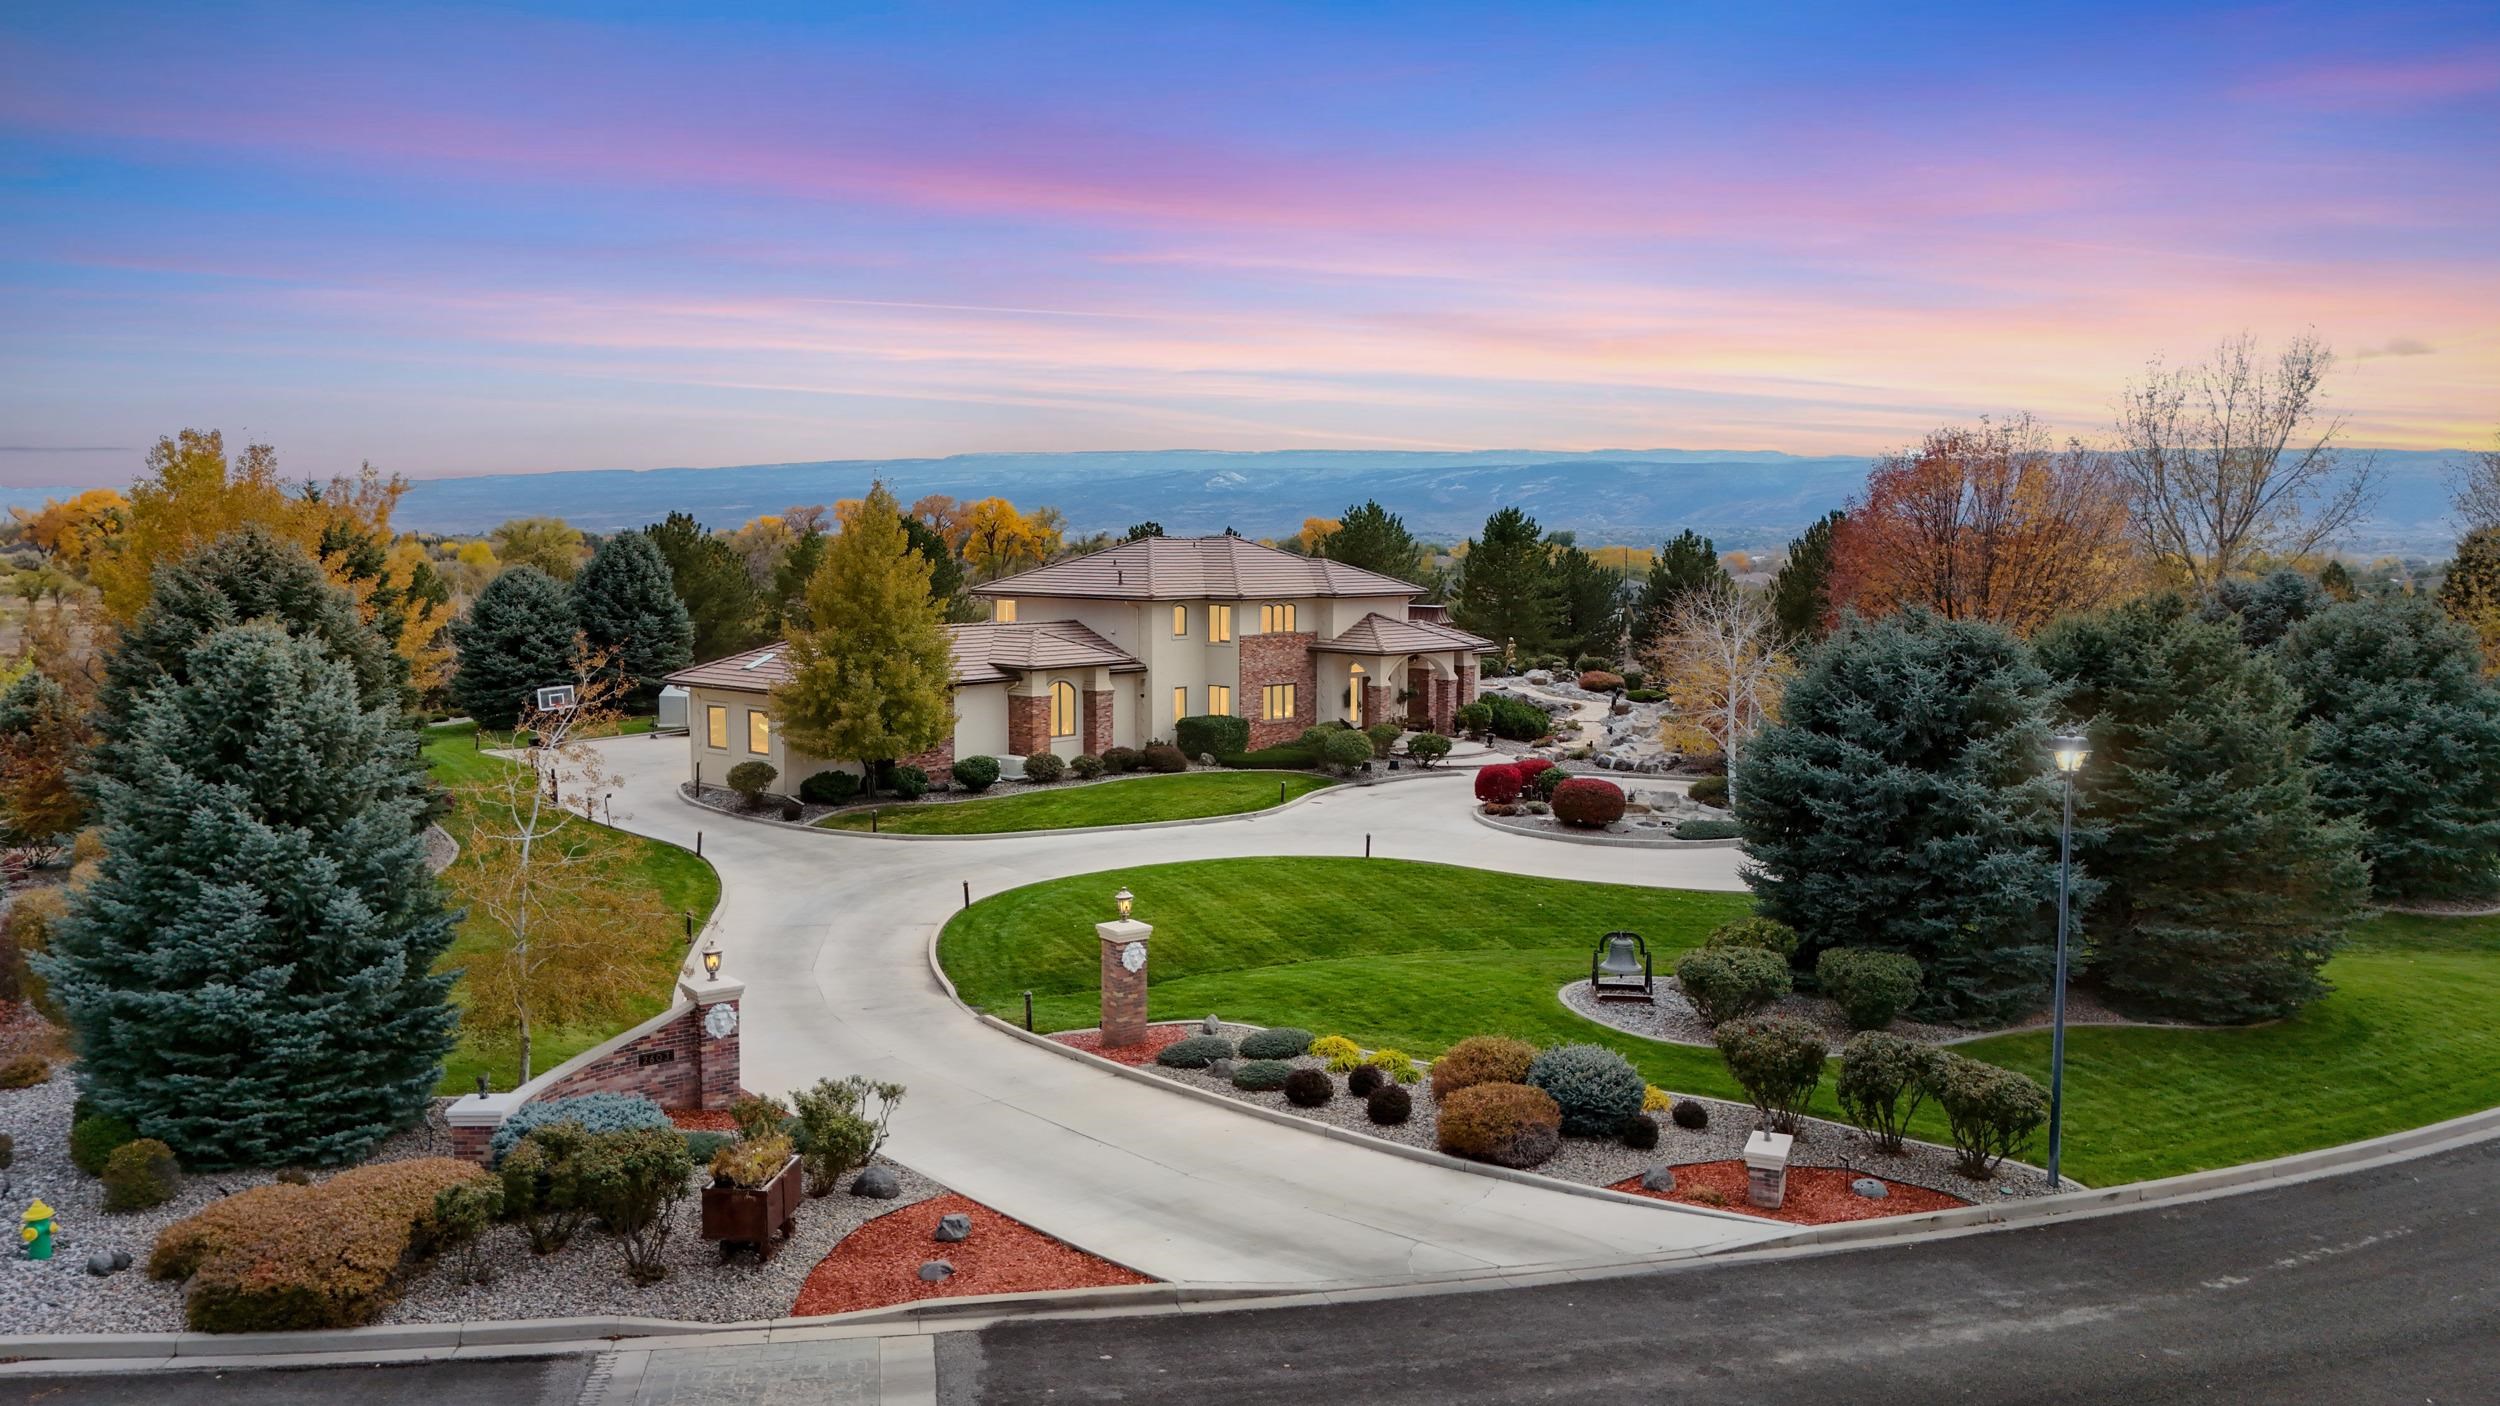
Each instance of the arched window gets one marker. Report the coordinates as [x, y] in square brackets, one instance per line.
[1063, 710]
[1354, 695]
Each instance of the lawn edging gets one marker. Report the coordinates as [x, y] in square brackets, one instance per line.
[1616, 841]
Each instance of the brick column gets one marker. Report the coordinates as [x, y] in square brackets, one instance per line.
[718, 1023]
[1380, 704]
[1466, 679]
[1097, 721]
[1123, 991]
[1028, 723]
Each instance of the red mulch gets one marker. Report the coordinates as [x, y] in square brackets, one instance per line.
[702, 1120]
[1143, 1052]
[879, 1263]
[1816, 1195]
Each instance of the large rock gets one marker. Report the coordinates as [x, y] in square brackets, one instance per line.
[878, 1184]
[936, 1270]
[1210, 1026]
[952, 1227]
[1870, 1188]
[1539, 676]
[1658, 1178]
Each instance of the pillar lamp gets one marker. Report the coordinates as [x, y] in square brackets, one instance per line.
[1124, 900]
[711, 959]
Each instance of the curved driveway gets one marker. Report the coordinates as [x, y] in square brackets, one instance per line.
[830, 933]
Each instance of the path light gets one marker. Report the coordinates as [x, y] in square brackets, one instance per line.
[1124, 900]
[711, 959]
[2068, 750]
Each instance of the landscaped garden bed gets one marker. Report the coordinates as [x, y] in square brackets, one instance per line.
[880, 1263]
[1672, 1018]
[1129, 800]
[1815, 1195]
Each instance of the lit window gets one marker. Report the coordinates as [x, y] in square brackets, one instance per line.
[1063, 710]
[1276, 702]
[716, 726]
[1003, 611]
[1180, 622]
[759, 732]
[1276, 619]
[1219, 624]
[1354, 694]
[1180, 704]
[1219, 700]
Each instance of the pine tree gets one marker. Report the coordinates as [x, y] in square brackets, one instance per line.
[249, 978]
[1686, 566]
[2226, 885]
[719, 595]
[790, 577]
[2405, 736]
[517, 638]
[1592, 607]
[1375, 539]
[2265, 608]
[629, 613]
[2470, 591]
[946, 575]
[871, 677]
[1904, 801]
[1506, 586]
[43, 740]
[1801, 598]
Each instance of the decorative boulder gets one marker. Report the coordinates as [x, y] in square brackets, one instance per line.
[100, 1264]
[121, 1259]
[1659, 1179]
[1870, 1188]
[936, 1270]
[877, 1183]
[953, 1226]
[1210, 1026]
[1222, 1069]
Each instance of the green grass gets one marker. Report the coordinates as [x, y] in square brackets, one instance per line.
[1188, 796]
[682, 881]
[1418, 956]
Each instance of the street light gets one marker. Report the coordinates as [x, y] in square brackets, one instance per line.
[2068, 750]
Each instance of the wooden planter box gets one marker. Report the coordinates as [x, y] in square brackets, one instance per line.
[762, 1217]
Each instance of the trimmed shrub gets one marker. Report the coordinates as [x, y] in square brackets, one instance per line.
[1777, 1060]
[1120, 761]
[1634, 678]
[1481, 1059]
[1710, 791]
[1043, 768]
[840, 1127]
[1427, 748]
[1309, 1088]
[1389, 1105]
[1287, 756]
[976, 773]
[1758, 933]
[1601, 681]
[1883, 1079]
[1514, 720]
[751, 780]
[1992, 1111]
[1384, 737]
[1724, 983]
[1165, 758]
[1549, 781]
[1275, 1042]
[908, 782]
[1588, 803]
[1474, 719]
[1595, 1088]
[1398, 1065]
[542, 1185]
[595, 1113]
[1261, 1076]
[1655, 1099]
[93, 1138]
[1690, 1114]
[1530, 768]
[1639, 1132]
[1345, 750]
[1364, 1079]
[791, 810]
[833, 788]
[1339, 1053]
[758, 1115]
[1709, 830]
[700, 1145]
[633, 1181]
[1211, 734]
[1085, 766]
[1498, 784]
[1642, 695]
[461, 1217]
[1508, 1125]
[140, 1174]
[25, 1071]
[1196, 1052]
[1871, 987]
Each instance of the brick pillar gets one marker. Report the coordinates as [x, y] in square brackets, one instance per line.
[1123, 990]
[1444, 709]
[1380, 704]
[1466, 679]
[1097, 720]
[718, 1023]
[1028, 723]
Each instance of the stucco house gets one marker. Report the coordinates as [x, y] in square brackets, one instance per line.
[1112, 648]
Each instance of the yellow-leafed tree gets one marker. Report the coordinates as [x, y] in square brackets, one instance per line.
[871, 676]
[1720, 660]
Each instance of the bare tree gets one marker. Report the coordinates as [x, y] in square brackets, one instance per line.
[2476, 487]
[1720, 660]
[2235, 459]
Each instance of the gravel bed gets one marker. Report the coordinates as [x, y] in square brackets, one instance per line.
[1673, 1019]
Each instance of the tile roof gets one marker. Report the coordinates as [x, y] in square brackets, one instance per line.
[1378, 634]
[984, 652]
[1196, 568]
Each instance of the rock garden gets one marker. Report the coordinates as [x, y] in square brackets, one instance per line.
[1535, 796]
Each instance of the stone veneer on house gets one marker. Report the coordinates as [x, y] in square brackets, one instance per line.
[1028, 724]
[1271, 659]
[1097, 721]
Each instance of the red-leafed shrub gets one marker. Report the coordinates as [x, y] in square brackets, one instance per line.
[1601, 681]
[1529, 769]
[1498, 784]
[1588, 803]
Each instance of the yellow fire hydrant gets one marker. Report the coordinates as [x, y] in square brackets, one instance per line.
[37, 1232]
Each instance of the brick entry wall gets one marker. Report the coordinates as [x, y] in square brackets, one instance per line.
[675, 1064]
[1278, 658]
[1028, 723]
[1097, 720]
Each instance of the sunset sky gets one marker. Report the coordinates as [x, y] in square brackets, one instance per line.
[517, 237]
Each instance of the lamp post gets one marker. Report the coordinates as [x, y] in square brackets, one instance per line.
[2069, 751]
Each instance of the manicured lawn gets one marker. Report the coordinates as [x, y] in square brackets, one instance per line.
[1418, 956]
[1187, 796]
[682, 881]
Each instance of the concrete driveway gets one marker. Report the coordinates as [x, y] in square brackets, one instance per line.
[831, 930]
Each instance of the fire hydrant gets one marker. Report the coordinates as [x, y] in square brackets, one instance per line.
[37, 1232]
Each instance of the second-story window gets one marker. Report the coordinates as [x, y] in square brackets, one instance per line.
[1180, 622]
[1276, 619]
[1219, 624]
[1003, 612]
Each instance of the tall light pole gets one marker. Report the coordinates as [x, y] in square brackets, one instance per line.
[2069, 750]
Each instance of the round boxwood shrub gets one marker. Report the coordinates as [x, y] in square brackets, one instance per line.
[1763, 933]
[1260, 1076]
[1777, 1060]
[1344, 750]
[1498, 784]
[1384, 736]
[1690, 1114]
[1601, 681]
[1364, 1079]
[1588, 803]
[832, 788]
[1883, 1079]
[1639, 1132]
[977, 773]
[1547, 783]
[1991, 1110]
[1530, 769]
[1726, 982]
[1871, 987]
[1427, 747]
[140, 1174]
[1196, 1052]
[1508, 1125]
[1309, 1088]
[1119, 761]
[1275, 1042]
[1710, 791]
[93, 1138]
[908, 782]
[1481, 1059]
[1043, 768]
[751, 780]
[596, 1113]
[1164, 757]
[1085, 766]
[1595, 1088]
[1389, 1105]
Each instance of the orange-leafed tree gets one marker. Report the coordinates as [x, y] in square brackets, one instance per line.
[1996, 522]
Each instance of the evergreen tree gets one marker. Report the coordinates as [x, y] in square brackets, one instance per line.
[43, 741]
[1801, 596]
[1375, 539]
[2470, 592]
[249, 978]
[719, 596]
[790, 577]
[629, 612]
[872, 675]
[2265, 608]
[946, 575]
[1140, 531]
[517, 638]
[2226, 887]
[2336, 582]
[1592, 603]
[2405, 736]
[1506, 586]
[1904, 801]
[1687, 565]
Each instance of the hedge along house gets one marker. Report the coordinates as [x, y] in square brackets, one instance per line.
[1112, 648]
